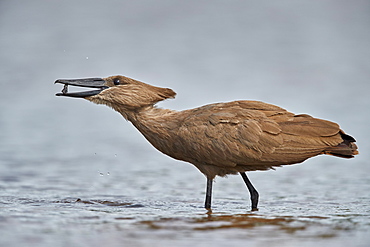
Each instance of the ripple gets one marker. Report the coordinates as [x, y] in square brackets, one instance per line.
[101, 202]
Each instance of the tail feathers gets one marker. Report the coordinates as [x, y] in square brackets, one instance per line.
[346, 149]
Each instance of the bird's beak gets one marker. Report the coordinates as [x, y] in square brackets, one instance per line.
[86, 82]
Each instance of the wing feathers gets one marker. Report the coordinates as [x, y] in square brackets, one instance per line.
[305, 125]
[254, 134]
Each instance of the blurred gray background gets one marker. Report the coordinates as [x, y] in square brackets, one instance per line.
[306, 56]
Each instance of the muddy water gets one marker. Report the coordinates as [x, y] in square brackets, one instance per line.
[76, 174]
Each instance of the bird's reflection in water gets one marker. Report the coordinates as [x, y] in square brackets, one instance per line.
[307, 226]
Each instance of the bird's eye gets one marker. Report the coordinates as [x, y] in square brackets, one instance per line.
[116, 81]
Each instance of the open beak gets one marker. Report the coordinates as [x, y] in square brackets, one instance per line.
[86, 82]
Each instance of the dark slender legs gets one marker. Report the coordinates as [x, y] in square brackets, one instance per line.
[207, 204]
[253, 192]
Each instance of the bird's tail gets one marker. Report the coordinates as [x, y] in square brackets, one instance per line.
[346, 149]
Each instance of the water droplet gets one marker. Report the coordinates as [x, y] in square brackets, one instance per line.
[108, 173]
[87, 57]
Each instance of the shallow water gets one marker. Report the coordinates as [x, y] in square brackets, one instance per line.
[76, 174]
[69, 205]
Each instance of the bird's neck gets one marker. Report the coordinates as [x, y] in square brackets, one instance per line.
[151, 116]
[159, 126]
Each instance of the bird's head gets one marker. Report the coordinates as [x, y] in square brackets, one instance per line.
[119, 92]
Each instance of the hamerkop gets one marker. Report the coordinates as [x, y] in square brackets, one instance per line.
[221, 138]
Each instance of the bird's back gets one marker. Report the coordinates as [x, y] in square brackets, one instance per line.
[227, 138]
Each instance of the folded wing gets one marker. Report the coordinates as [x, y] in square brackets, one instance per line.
[252, 135]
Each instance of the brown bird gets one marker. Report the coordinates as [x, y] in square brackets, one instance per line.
[221, 138]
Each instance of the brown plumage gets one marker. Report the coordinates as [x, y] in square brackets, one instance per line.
[221, 138]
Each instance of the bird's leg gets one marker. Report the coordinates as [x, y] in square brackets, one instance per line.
[207, 204]
[253, 192]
